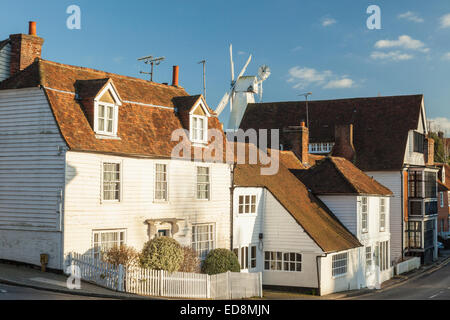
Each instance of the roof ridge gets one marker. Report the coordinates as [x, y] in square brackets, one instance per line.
[341, 99]
[352, 185]
[68, 66]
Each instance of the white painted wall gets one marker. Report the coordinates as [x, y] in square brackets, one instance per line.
[283, 234]
[393, 181]
[348, 210]
[31, 178]
[349, 281]
[5, 58]
[85, 212]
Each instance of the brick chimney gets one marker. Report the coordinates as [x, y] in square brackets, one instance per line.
[343, 146]
[429, 151]
[175, 76]
[296, 138]
[25, 48]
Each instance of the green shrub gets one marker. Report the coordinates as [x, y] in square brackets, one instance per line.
[219, 261]
[162, 253]
[191, 262]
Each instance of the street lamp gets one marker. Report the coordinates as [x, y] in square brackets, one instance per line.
[307, 112]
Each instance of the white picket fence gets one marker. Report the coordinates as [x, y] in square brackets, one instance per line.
[228, 285]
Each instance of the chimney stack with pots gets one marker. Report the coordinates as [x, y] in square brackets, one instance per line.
[25, 49]
[429, 151]
[296, 138]
[343, 146]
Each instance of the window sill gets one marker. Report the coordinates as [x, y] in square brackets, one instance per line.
[109, 201]
[339, 276]
[156, 201]
[102, 136]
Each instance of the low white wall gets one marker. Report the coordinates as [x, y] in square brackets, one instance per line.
[349, 281]
[408, 265]
[26, 246]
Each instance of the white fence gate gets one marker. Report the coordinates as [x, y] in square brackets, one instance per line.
[408, 265]
[228, 285]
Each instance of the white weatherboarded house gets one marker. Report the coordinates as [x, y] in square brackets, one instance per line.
[86, 162]
[362, 205]
[385, 137]
[282, 230]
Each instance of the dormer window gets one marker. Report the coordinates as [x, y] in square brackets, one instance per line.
[106, 111]
[106, 120]
[198, 123]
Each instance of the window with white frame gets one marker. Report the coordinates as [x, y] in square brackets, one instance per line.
[441, 196]
[199, 129]
[203, 186]
[106, 121]
[321, 147]
[383, 255]
[247, 204]
[111, 181]
[368, 256]
[339, 264]
[203, 239]
[282, 261]
[253, 257]
[105, 240]
[161, 182]
[382, 214]
[364, 214]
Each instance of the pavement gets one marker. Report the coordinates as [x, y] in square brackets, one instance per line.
[386, 286]
[29, 277]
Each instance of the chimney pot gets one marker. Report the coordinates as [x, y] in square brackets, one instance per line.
[32, 28]
[175, 76]
[302, 124]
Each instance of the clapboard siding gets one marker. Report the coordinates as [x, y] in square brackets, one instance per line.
[281, 233]
[5, 57]
[31, 178]
[393, 181]
[31, 165]
[345, 208]
[85, 212]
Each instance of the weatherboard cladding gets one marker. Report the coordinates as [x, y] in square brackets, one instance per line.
[381, 124]
[309, 212]
[144, 129]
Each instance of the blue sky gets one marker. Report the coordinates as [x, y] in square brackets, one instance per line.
[319, 46]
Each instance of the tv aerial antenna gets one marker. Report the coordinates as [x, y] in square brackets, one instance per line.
[203, 62]
[153, 61]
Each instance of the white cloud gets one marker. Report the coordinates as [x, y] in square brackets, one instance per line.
[440, 124]
[411, 16]
[446, 56]
[326, 22]
[297, 48]
[340, 84]
[302, 77]
[392, 55]
[445, 21]
[405, 42]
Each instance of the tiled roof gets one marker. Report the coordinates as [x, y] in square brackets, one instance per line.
[334, 175]
[307, 210]
[381, 124]
[147, 116]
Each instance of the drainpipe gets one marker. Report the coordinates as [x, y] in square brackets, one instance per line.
[403, 213]
[232, 206]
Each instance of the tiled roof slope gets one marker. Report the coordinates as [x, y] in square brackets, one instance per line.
[309, 212]
[381, 124]
[144, 129]
[334, 175]
[447, 175]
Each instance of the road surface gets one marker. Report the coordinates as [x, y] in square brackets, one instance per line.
[432, 286]
[8, 292]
